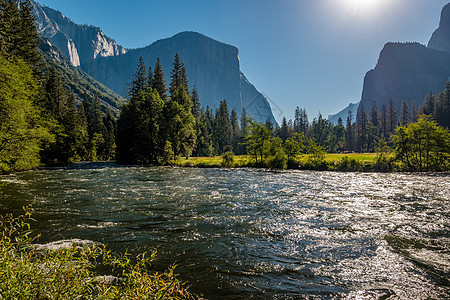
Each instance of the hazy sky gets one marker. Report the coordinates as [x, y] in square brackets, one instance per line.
[307, 53]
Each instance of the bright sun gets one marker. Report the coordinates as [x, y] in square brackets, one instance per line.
[358, 7]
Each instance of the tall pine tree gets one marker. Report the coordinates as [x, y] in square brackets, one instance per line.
[158, 81]
[405, 118]
[222, 127]
[196, 106]
[178, 76]
[139, 82]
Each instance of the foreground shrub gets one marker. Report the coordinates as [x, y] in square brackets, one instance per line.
[30, 272]
[228, 159]
[277, 161]
[347, 164]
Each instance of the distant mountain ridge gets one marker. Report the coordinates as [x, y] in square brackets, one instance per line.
[409, 71]
[212, 66]
[343, 114]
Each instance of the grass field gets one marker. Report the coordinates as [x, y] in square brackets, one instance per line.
[245, 160]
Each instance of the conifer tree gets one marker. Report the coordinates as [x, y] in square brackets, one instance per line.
[82, 115]
[442, 107]
[373, 114]
[196, 107]
[222, 127]
[29, 37]
[404, 114]
[297, 120]
[383, 122]
[235, 130]
[320, 128]
[284, 130]
[414, 115]
[109, 147]
[362, 123]
[158, 81]
[270, 127]
[336, 137]
[95, 119]
[54, 102]
[349, 137]
[178, 76]
[74, 132]
[11, 24]
[148, 141]
[204, 145]
[392, 117]
[179, 123]
[300, 120]
[428, 104]
[139, 81]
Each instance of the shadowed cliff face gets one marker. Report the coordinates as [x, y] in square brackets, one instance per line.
[405, 71]
[79, 43]
[212, 66]
[408, 71]
[440, 40]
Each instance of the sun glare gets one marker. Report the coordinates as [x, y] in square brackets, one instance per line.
[358, 7]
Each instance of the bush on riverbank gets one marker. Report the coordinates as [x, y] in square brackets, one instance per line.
[29, 273]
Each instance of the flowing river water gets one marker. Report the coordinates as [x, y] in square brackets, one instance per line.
[246, 233]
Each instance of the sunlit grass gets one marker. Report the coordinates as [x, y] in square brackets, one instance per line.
[245, 160]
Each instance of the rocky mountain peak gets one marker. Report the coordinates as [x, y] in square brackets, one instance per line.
[79, 43]
[440, 40]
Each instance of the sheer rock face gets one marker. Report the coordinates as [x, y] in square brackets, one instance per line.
[405, 71]
[79, 43]
[212, 66]
[408, 71]
[440, 40]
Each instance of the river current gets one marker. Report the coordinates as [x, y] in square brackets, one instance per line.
[246, 233]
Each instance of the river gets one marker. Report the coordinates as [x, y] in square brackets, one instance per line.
[247, 233]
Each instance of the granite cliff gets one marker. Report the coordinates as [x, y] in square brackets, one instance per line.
[408, 71]
[79, 43]
[212, 66]
[440, 40]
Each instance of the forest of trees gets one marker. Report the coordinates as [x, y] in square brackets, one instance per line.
[42, 123]
[157, 130]
[160, 123]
